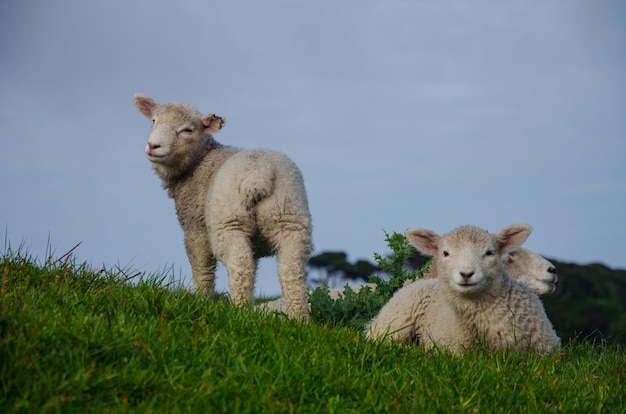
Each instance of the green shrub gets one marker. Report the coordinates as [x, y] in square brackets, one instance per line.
[355, 309]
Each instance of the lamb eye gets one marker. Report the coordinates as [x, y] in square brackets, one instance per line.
[185, 131]
[445, 253]
[489, 253]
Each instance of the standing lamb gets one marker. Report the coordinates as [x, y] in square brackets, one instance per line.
[234, 205]
[471, 301]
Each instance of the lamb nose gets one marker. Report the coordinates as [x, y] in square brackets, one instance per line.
[467, 275]
[154, 146]
[551, 270]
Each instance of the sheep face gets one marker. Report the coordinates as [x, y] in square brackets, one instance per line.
[178, 130]
[531, 269]
[469, 259]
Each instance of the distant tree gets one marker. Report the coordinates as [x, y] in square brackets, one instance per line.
[333, 268]
[361, 270]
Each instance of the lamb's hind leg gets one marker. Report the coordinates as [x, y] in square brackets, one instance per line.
[293, 252]
[238, 258]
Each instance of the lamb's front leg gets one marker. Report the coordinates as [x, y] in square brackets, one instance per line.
[235, 251]
[203, 263]
[396, 320]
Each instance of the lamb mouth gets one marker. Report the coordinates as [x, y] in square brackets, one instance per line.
[551, 285]
[156, 158]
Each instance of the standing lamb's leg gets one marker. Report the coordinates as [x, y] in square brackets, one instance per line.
[293, 252]
[203, 263]
[240, 264]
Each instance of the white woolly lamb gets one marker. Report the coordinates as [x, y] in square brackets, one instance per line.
[521, 264]
[471, 301]
[234, 205]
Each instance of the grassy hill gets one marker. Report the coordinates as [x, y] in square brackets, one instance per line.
[73, 339]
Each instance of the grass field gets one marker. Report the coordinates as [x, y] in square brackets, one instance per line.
[77, 340]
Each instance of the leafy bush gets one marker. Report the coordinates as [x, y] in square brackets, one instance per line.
[356, 308]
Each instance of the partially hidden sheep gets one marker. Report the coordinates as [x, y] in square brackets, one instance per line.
[471, 301]
[521, 264]
[234, 205]
[531, 270]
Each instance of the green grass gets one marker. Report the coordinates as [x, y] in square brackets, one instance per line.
[77, 340]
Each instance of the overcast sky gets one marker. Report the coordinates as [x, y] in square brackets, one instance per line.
[400, 114]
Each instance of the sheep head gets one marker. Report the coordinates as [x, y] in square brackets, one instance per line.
[178, 135]
[531, 269]
[469, 259]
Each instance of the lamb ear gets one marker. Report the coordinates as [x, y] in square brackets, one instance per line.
[145, 104]
[425, 241]
[213, 123]
[512, 236]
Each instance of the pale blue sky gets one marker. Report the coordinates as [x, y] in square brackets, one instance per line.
[400, 114]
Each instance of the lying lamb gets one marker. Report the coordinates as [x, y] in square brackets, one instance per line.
[527, 267]
[234, 205]
[471, 301]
